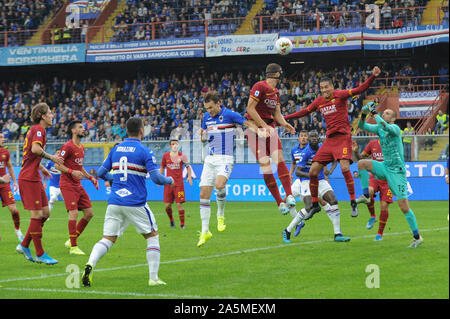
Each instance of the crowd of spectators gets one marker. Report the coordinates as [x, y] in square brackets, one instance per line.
[171, 18]
[166, 102]
[302, 15]
[24, 15]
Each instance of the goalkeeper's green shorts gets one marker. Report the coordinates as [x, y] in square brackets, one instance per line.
[396, 178]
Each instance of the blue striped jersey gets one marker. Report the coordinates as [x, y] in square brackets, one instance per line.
[221, 131]
[54, 181]
[303, 157]
[130, 161]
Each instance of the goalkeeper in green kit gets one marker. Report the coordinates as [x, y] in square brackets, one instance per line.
[392, 168]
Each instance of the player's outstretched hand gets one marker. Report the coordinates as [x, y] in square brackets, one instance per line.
[77, 174]
[94, 181]
[46, 173]
[189, 179]
[288, 127]
[57, 160]
[6, 179]
[376, 71]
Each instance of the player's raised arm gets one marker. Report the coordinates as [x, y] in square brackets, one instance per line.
[366, 109]
[363, 87]
[303, 112]
[393, 129]
[281, 120]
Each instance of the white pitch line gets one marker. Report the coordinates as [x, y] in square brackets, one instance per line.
[220, 255]
[114, 293]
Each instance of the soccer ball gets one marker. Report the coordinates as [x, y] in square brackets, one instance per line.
[283, 46]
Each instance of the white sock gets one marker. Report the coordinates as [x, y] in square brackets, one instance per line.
[205, 213]
[99, 250]
[335, 217]
[50, 206]
[297, 219]
[293, 211]
[153, 256]
[327, 207]
[221, 199]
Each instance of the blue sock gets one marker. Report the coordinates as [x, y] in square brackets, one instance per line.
[411, 219]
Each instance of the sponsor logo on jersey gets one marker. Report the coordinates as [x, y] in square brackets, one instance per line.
[328, 109]
[271, 103]
[123, 192]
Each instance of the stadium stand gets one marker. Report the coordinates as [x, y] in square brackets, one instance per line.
[22, 18]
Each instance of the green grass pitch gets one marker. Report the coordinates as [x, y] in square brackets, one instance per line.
[248, 260]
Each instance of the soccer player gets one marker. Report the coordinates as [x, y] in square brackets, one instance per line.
[74, 194]
[6, 194]
[217, 129]
[174, 161]
[264, 110]
[392, 169]
[303, 163]
[54, 190]
[31, 188]
[338, 143]
[127, 203]
[373, 149]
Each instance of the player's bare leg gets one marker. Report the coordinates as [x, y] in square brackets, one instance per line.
[314, 171]
[345, 168]
[181, 214]
[221, 182]
[169, 213]
[15, 215]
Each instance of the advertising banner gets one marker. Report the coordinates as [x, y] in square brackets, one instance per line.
[404, 38]
[90, 9]
[42, 54]
[146, 50]
[241, 44]
[425, 182]
[416, 104]
[325, 40]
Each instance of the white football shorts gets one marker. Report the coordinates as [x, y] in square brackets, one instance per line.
[297, 189]
[324, 187]
[54, 193]
[216, 165]
[118, 218]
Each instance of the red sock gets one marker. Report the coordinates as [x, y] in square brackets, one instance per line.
[73, 232]
[350, 184]
[285, 178]
[169, 213]
[16, 219]
[384, 214]
[81, 226]
[35, 230]
[181, 214]
[271, 184]
[27, 239]
[314, 188]
[371, 207]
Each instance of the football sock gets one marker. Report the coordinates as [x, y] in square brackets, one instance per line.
[205, 213]
[371, 207]
[16, 219]
[296, 220]
[271, 184]
[350, 184]
[73, 232]
[221, 201]
[81, 226]
[181, 215]
[384, 214]
[99, 250]
[153, 256]
[314, 188]
[284, 177]
[50, 205]
[335, 217]
[169, 213]
[411, 219]
[36, 235]
[364, 178]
